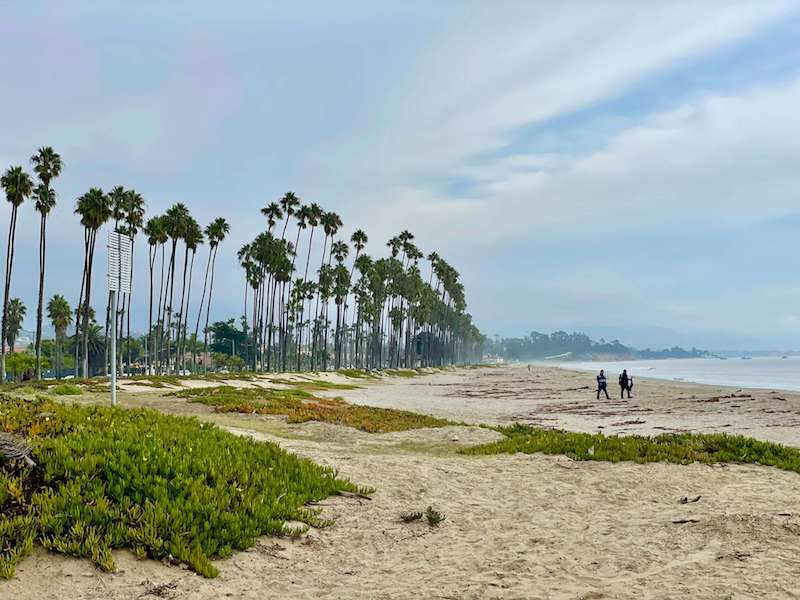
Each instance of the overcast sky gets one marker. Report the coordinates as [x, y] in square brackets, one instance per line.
[630, 169]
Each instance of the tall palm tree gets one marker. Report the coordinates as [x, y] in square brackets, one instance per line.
[117, 199]
[16, 313]
[94, 209]
[193, 238]
[47, 165]
[175, 222]
[359, 240]
[216, 231]
[133, 220]
[156, 236]
[273, 213]
[60, 315]
[18, 186]
[331, 223]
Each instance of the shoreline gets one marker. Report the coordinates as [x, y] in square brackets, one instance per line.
[719, 379]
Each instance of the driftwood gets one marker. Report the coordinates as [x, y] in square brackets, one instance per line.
[15, 448]
[687, 500]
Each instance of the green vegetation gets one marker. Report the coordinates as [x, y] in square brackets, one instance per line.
[156, 381]
[300, 406]
[67, 389]
[357, 374]
[434, 517]
[314, 384]
[410, 516]
[402, 372]
[577, 346]
[681, 448]
[158, 485]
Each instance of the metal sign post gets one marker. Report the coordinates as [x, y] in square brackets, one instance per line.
[119, 280]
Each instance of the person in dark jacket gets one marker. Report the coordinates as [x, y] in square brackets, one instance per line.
[624, 383]
[602, 384]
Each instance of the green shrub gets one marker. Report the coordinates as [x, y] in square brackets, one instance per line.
[158, 485]
[680, 448]
[434, 517]
[300, 406]
[67, 389]
[357, 374]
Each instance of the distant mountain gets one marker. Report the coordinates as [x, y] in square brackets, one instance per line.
[561, 345]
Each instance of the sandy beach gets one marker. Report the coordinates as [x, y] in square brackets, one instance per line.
[518, 526]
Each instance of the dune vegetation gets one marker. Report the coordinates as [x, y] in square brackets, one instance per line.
[160, 486]
[681, 448]
[300, 406]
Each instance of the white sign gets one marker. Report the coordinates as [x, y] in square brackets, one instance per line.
[119, 262]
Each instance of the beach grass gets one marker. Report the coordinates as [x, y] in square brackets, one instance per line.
[161, 486]
[681, 448]
[313, 384]
[357, 374]
[300, 406]
[66, 389]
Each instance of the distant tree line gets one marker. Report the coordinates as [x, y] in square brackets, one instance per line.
[577, 346]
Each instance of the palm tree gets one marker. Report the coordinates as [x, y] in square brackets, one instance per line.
[359, 240]
[215, 232]
[156, 236]
[16, 313]
[18, 186]
[60, 315]
[94, 208]
[47, 165]
[273, 213]
[193, 238]
[134, 219]
[175, 221]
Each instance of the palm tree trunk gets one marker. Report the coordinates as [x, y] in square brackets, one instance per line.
[186, 317]
[208, 310]
[148, 361]
[42, 249]
[200, 311]
[12, 224]
[86, 304]
[128, 310]
[180, 314]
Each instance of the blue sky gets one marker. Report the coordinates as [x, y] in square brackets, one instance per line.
[619, 167]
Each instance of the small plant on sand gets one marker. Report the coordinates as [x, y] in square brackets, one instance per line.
[434, 517]
[67, 389]
[410, 516]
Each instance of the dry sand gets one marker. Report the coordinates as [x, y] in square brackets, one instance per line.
[518, 526]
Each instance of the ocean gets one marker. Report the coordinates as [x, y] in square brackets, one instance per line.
[769, 373]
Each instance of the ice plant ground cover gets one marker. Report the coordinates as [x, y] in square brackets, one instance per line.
[300, 406]
[682, 448]
[161, 486]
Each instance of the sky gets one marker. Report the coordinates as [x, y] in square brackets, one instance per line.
[626, 169]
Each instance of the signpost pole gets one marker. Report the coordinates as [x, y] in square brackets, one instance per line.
[119, 265]
[114, 351]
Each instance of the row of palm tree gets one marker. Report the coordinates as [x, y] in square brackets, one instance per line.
[398, 318]
[125, 208]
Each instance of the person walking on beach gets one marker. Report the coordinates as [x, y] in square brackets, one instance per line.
[602, 385]
[624, 383]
